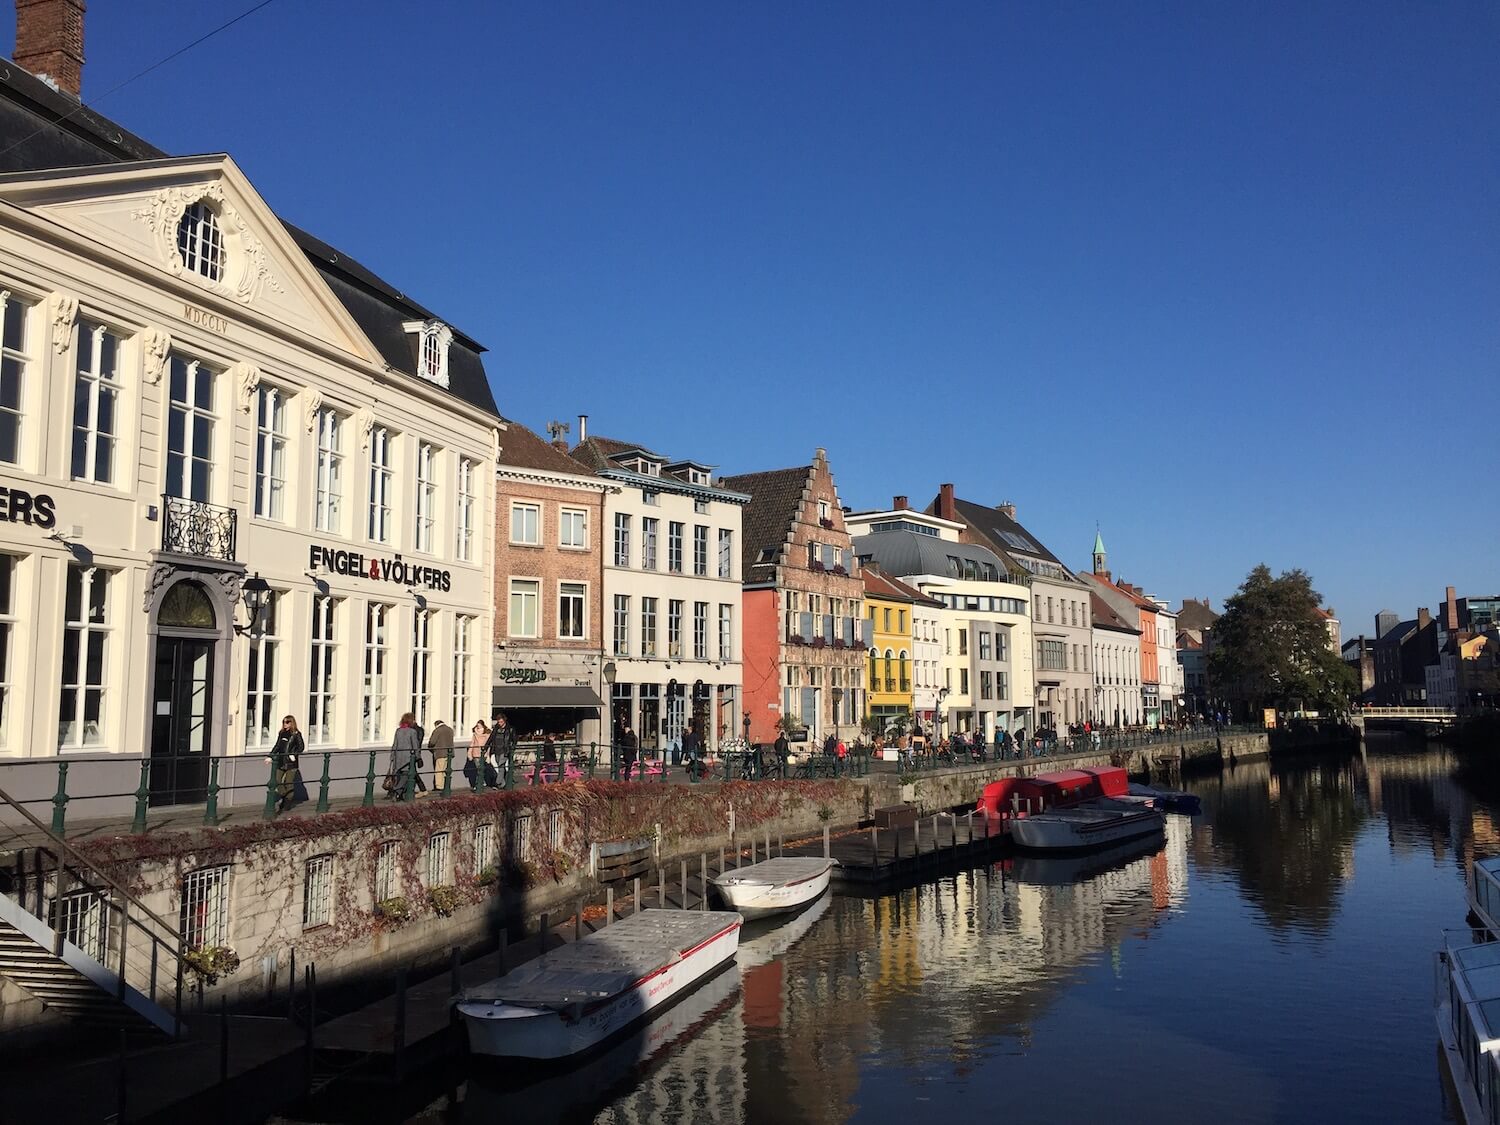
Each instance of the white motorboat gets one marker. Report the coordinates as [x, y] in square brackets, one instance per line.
[578, 995]
[1093, 824]
[774, 885]
[1466, 998]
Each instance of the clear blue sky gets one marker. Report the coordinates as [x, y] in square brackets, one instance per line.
[1224, 278]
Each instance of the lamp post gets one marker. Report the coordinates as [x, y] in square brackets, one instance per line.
[255, 593]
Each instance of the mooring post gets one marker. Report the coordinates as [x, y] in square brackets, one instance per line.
[684, 885]
[721, 860]
[309, 986]
[768, 844]
[609, 905]
[703, 879]
[780, 844]
[578, 922]
[637, 897]
[874, 847]
[291, 982]
[827, 844]
[455, 970]
[545, 930]
[661, 888]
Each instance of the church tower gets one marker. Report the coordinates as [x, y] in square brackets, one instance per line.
[1101, 560]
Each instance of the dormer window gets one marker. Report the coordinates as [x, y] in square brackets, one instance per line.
[200, 241]
[433, 339]
[698, 476]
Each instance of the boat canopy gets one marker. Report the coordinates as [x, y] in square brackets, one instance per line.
[778, 872]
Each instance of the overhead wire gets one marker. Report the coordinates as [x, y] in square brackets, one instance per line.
[82, 105]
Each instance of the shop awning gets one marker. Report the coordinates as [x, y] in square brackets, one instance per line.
[514, 696]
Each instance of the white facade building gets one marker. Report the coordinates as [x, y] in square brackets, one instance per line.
[927, 659]
[1168, 663]
[672, 588]
[244, 479]
[1117, 667]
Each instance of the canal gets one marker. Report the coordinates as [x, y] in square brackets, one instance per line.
[1272, 963]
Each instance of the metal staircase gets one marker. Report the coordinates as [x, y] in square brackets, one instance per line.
[81, 944]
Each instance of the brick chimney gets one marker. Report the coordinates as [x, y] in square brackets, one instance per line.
[1424, 618]
[899, 504]
[1450, 611]
[946, 509]
[49, 41]
[1007, 509]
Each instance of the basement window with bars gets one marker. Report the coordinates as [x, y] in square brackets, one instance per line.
[317, 892]
[80, 918]
[554, 830]
[205, 908]
[385, 871]
[437, 859]
[518, 847]
[484, 846]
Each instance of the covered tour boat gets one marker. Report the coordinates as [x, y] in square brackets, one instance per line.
[578, 995]
[774, 886]
[1069, 810]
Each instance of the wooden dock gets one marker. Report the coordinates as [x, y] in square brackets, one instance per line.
[873, 856]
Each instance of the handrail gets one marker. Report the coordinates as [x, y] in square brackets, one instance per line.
[80, 861]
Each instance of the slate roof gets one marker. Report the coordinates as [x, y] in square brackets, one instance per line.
[1195, 615]
[1105, 617]
[1397, 634]
[595, 452]
[521, 448]
[42, 130]
[906, 553]
[775, 496]
[994, 524]
[878, 584]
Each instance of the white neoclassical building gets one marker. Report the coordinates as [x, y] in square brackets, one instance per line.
[672, 634]
[242, 478]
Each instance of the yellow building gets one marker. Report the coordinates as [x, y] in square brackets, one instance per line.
[888, 603]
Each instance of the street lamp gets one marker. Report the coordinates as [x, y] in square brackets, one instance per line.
[255, 593]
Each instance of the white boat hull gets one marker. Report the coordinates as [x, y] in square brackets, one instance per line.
[1079, 830]
[757, 899]
[513, 1031]
[1471, 1110]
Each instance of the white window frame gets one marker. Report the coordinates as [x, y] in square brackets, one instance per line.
[87, 630]
[569, 536]
[484, 846]
[700, 550]
[92, 385]
[648, 626]
[519, 510]
[426, 523]
[317, 892]
[387, 882]
[463, 658]
[191, 410]
[700, 630]
[328, 498]
[263, 651]
[621, 554]
[422, 628]
[322, 687]
[726, 631]
[374, 688]
[270, 453]
[200, 241]
[650, 534]
[524, 587]
[437, 859]
[468, 502]
[579, 592]
[674, 546]
[378, 526]
[8, 592]
[621, 633]
[11, 305]
[674, 628]
[726, 552]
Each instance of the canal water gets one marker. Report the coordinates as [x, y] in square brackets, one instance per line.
[1271, 963]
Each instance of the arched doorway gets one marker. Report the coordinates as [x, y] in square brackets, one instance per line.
[182, 703]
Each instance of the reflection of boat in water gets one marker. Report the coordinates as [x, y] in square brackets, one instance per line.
[762, 942]
[774, 886]
[1062, 870]
[581, 1090]
[1173, 800]
[573, 998]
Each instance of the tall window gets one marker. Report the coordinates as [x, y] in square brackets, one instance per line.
[14, 363]
[328, 507]
[572, 598]
[190, 431]
[7, 627]
[317, 892]
[726, 553]
[382, 485]
[700, 630]
[1002, 648]
[622, 625]
[468, 501]
[270, 452]
[622, 539]
[426, 495]
[200, 242]
[573, 528]
[463, 645]
[421, 664]
[262, 720]
[386, 879]
[95, 393]
[674, 629]
[525, 596]
[984, 646]
[648, 626]
[526, 524]
[377, 653]
[674, 547]
[726, 631]
[700, 550]
[85, 657]
[204, 919]
[648, 542]
[321, 681]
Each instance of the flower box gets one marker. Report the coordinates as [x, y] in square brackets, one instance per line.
[826, 523]
[838, 568]
[817, 566]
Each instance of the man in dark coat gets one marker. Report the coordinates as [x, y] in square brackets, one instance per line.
[629, 747]
[501, 745]
[783, 751]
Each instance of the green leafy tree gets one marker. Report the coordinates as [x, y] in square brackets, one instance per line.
[1271, 647]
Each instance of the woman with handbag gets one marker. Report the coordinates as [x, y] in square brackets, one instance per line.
[406, 754]
[284, 755]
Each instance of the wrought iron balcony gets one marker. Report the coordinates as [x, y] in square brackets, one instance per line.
[193, 527]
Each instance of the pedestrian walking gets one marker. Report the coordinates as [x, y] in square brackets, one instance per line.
[284, 754]
[441, 745]
[406, 758]
[783, 750]
[629, 746]
[501, 745]
[479, 735]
